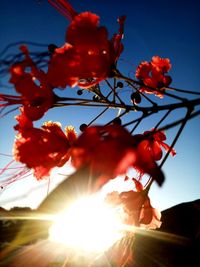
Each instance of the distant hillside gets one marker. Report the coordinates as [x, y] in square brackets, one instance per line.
[176, 244]
[9, 228]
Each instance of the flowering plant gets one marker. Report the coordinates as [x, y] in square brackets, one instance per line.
[88, 60]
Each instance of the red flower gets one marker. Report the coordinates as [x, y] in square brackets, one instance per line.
[42, 149]
[63, 67]
[149, 216]
[23, 121]
[137, 207]
[110, 150]
[88, 56]
[117, 38]
[145, 162]
[92, 44]
[105, 149]
[156, 142]
[138, 212]
[36, 99]
[161, 64]
[152, 74]
[149, 150]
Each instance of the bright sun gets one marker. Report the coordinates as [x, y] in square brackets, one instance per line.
[89, 225]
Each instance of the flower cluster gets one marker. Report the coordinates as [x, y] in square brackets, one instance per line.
[108, 151]
[42, 149]
[153, 75]
[111, 150]
[87, 42]
[136, 205]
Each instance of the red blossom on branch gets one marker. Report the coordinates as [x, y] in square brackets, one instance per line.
[156, 142]
[42, 149]
[153, 75]
[110, 150]
[36, 99]
[137, 206]
[86, 41]
[149, 150]
[106, 149]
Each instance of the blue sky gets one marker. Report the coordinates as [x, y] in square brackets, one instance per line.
[165, 28]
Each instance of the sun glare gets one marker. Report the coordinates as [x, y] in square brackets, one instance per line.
[89, 225]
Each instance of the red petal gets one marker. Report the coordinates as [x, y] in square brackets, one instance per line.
[167, 148]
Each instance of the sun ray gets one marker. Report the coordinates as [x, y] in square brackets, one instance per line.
[88, 225]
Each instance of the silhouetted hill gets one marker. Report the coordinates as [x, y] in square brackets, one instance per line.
[176, 243]
[183, 219]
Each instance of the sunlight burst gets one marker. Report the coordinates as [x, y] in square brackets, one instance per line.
[89, 225]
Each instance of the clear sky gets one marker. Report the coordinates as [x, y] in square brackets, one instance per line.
[165, 28]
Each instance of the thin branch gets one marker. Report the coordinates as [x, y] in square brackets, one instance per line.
[99, 115]
[163, 118]
[114, 92]
[155, 108]
[173, 124]
[183, 91]
[183, 123]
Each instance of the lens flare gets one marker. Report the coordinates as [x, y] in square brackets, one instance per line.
[89, 225]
